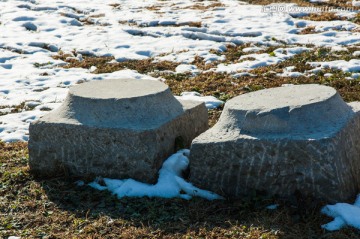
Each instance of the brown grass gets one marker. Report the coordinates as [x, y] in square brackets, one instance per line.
[203, 7]
[233, 53]
[304, 3]
[103, 66]
[308, 30]
[115, 5]
[356, 19]
[324, 16]
[129, 23]
[57, 208]
[224, 86]
[200, 63]
[15, 108]
[153, 8]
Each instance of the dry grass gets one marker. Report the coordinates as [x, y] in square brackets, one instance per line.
[103, 64]
[307, 30]
[15, 108]
[224, 86]
[324, 16]
[233, 53]
[214, 115]
[200, 63]
[153, 8]
[304, 3]
[203, 7]
[129, 23]
[356, 19]
[56, 208]
[115, 5]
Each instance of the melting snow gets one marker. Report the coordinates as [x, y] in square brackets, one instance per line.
[170, 183]
[34, 31]
[344, 214]
[210, 101]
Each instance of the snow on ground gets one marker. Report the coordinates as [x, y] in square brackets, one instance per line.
[170, 183]
[210, 101]
[344, 214]
[32, 31]
[264, 59]
[347, 66]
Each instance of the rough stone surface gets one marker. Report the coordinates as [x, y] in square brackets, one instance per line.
[301, 138]
[114, 128]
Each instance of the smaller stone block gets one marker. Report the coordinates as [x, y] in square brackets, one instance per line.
[297, 138]
[114, 128]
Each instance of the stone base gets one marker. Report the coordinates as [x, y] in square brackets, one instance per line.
[254, 149]
[90, 137]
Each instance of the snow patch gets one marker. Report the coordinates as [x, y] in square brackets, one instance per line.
[184, 68]
[352, 65]
[210, 101]
[344, 214]
[170, 183]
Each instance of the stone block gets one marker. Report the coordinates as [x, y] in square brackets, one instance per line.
[278, 141]
[114, 128]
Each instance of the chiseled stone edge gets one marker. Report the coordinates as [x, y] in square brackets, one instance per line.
[78, 150]
[338, 154]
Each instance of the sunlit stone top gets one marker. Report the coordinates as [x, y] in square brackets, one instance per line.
[119, 103]
[293, 111]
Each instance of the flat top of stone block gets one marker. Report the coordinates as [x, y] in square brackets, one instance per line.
[280, 97]
[120, 103]
[298, 111]
[118, 89]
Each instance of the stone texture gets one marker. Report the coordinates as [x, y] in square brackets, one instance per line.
[297, 138]
[114, 128]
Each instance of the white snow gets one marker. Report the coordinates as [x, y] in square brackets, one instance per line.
[344, 214]
[170, 183]
[338, 49]
[356, 53]
[347, 66]
[237, 75]
[184, 68]
[263, 59]
[356, 3]
[33, 31]
[328, 74]
[210, 101]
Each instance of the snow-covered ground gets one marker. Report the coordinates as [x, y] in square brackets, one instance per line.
[32, 31]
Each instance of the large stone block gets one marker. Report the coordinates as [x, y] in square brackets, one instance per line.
[114, 128]
[297, 138]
